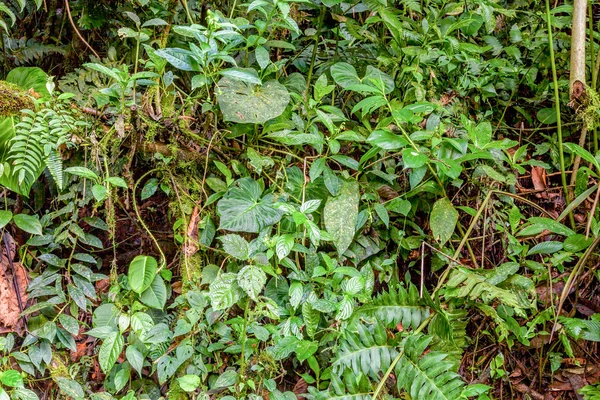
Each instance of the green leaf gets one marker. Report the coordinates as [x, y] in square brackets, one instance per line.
[149, 188]
[243, 210]
[262, 57]
[156, 295]
[341, 214]
[583, 153]
[386, 140]
[29, 78]
[110, 350]
[11, 378]
[69, 323]
[413, 159]
[382, 213]
[116, 181]
[29, 223]
[70, 387]
[104, 70]
[549, 247]
[135, 358]
[236, 246]
[252, 280]
[223, 291]
[547, 116]
[284, 245]
[226, 379]
[399, 205]
[5, 217]
[443, 220]
[142, 271]
[83, 172]
[243, 102]
[189, 383]
[99, 192]
[344, 74]
[247, 75]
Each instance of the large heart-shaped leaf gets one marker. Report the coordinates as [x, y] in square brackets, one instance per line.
[242, 209]
[244, 102]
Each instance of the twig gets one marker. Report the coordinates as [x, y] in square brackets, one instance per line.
[77, 30]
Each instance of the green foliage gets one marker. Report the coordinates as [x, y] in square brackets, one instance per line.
[358, 195]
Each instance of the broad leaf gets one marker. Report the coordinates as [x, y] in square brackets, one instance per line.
[142, 271]
[110, 350]
[236, 246]
[156, 295]
[28, 223]
[242, 209]
[243, 102]
[252, 280]
[443, 220]
[341, 213]
[223, 291]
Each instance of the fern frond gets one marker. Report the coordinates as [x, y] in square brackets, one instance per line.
[397, 306]
[55, 167]
[5, 9]
[464, 283]
[26, 154]
[582, 328]
[590, 392]
[349, 387]
[367, 350]
[427, 376]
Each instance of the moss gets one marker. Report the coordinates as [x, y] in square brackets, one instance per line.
[175, 391]
[13, 99]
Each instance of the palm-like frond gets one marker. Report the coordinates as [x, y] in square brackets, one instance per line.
[367, 351]
[397, 306]
[427, 376]
[464, 283]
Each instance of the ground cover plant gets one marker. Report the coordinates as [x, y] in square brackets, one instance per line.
[313, 199]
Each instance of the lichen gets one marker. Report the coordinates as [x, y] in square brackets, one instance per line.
[13, 99]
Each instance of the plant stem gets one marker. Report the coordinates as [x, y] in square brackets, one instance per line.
[563, 176]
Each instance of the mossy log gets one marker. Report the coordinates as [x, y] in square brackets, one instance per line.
[13, 99]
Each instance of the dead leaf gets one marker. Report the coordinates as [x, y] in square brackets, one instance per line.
[191, 235]
[10, 312]
[300, 387]
[539, 180]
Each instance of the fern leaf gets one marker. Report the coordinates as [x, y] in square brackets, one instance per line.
[6, 10]
[582, 328]
[464, 283]
[426, 376]
[590, 392]
[55, 167]
[397, 306]
[367, 350]
[348, 387]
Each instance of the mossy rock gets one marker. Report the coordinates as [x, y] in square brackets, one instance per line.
[13, 99]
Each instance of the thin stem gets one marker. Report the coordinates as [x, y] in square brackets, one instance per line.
[563, 175]
[77, 30]
[163, 261]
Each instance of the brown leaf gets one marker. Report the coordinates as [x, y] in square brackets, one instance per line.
[539, 179]
[10, 312]
[191, 235]
[300, 387]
